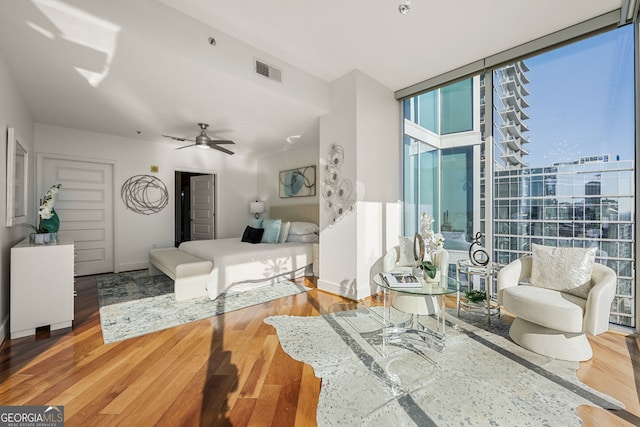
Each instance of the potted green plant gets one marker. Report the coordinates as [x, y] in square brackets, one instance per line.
[429, 269]
[475, 297]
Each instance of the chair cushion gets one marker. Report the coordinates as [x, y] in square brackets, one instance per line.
[552, 309]
[563, 269]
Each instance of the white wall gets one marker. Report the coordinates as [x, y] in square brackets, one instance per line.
[135, 233]
[13, 113]
[338, 241]
[269, 168]
[364, 120]
[378, 163]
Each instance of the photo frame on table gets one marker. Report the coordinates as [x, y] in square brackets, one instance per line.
[17, 175]
[298, 182]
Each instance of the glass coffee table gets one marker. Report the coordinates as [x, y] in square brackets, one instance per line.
[430, 333]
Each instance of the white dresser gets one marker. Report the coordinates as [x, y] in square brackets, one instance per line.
[41, 286]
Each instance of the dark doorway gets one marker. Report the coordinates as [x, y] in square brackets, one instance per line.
[183, 205]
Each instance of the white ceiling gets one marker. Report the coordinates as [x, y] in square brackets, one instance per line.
[122, 66]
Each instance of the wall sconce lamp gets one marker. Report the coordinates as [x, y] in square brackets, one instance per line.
[256, 208]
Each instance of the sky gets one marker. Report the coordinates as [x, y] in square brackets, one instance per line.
[581, 100]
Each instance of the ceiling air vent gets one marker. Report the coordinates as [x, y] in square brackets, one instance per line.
[267, 71]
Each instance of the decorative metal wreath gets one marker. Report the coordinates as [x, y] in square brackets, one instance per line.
[144, 194]
[336, 191]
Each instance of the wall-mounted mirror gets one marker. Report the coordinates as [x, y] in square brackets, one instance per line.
[17, 167]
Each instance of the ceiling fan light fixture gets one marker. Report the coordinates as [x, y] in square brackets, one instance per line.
[203, 141]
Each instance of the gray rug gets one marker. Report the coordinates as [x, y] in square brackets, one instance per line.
[481, 378]
[134, 303]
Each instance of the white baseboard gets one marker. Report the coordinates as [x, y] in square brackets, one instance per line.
[347, 290]
[131, 266]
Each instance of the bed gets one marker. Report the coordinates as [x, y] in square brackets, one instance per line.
[239, 266]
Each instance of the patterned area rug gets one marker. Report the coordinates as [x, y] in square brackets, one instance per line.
[481, 378]
[134, 303]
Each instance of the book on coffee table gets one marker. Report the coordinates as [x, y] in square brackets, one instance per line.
[401, 280]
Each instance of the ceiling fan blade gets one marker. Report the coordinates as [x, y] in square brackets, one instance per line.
[186, 146]
[224, 150]
[221, 141]
[177, 138]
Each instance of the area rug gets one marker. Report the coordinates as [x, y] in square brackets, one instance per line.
[481, 378]
[134, 303]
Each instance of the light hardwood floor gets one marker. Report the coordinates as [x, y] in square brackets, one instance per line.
[224, 371]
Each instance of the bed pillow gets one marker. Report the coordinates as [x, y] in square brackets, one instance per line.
[271, 230]
[563, 269]
[284, 231]
[252, 235]
[303, 238]
[256, 222]
[300, 228]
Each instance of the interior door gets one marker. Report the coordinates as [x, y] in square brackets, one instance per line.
[202, 207]
[85, 207]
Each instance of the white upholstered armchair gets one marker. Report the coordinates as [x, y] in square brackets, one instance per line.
[415, 304]
[551, 322]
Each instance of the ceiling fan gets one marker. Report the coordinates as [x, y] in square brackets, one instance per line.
[203, 141]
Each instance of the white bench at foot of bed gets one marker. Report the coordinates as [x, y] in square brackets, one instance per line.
[189, 273]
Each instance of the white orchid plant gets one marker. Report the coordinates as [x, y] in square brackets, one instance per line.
[48, 218]
[432, 242]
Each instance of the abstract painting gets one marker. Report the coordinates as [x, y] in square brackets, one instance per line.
[298, 182]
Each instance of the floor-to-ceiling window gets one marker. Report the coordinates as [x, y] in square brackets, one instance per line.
[441, 145]
[562, 170]
[564, 166]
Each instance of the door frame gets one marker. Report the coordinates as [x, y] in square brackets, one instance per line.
[40, 158]
[215, 195]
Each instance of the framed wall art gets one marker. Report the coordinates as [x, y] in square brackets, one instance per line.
[299, 182]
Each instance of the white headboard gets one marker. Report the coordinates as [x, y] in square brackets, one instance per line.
[305, 213]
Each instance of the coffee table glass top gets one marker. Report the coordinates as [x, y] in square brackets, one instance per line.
[427, 288]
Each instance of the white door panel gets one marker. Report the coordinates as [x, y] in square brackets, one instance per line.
[202, 207]
[85, 207]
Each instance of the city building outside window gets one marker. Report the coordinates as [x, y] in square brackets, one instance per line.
[563, 157]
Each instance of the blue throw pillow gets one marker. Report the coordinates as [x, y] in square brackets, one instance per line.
[271, 230]
[256, 222]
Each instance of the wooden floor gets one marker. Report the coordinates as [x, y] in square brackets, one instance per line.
[224, 371]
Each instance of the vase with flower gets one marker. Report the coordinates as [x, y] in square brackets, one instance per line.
[429, 242]
[48, 220]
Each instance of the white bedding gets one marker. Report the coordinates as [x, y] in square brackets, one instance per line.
[238, 266]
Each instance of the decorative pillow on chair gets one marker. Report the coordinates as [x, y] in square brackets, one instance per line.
[252, 235]
[271, 230]
[406, 257]
[563, 269]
